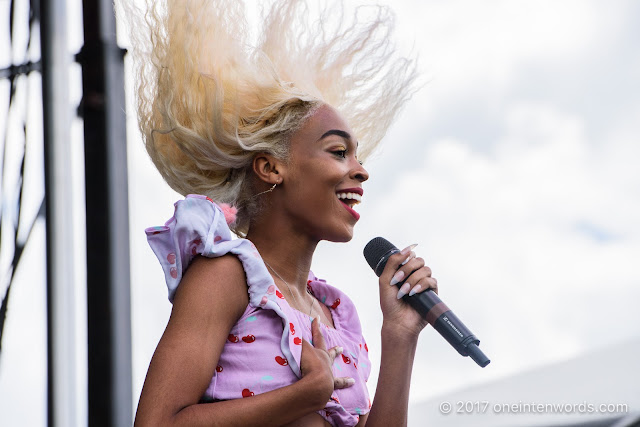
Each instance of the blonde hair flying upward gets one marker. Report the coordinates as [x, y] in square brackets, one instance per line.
[210, 97]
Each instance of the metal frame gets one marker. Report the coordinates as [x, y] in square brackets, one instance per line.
[108, 292]
[107, 236]
[61, 253]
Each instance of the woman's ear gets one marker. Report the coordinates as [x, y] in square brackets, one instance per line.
[266, 167]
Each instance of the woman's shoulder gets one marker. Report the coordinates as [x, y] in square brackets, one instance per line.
[214, 284]
[226, 270]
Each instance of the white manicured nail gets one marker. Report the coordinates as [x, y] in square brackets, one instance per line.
[411, 255]
[404, 290]
[397, 277]
[408, 249]
[415, 290]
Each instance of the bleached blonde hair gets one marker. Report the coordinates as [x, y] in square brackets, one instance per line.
[210, 99]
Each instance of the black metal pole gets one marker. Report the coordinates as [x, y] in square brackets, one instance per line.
[108, 294]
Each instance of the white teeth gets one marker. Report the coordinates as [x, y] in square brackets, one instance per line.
[350, 196]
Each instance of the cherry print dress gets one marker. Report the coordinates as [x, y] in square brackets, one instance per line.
[262, 351]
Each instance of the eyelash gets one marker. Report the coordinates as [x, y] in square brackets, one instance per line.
[343, 155]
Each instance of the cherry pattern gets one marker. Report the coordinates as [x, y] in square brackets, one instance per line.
[249, 339]
[310, 288]
[171, 259]
[195, 244]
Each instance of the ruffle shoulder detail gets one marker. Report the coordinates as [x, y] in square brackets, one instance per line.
[199, 227]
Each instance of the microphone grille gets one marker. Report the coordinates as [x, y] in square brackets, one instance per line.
[376, 250]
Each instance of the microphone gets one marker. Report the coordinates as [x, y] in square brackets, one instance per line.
[427, 303]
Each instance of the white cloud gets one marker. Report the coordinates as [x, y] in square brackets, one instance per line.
[478, 49]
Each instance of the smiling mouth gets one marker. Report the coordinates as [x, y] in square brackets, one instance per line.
[349, 199]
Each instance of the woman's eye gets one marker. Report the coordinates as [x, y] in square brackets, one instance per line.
[341, 153]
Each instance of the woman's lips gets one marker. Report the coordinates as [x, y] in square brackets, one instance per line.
[353, 213]
[354, 196]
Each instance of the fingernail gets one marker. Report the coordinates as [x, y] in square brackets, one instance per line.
[404, 290]
[411, 255]
[351, 381]
[415, 289]
[408, 249]
[339, 350]
[397, 277]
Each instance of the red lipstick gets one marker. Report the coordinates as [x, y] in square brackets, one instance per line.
[355, 214]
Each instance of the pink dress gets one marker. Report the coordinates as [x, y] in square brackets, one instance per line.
[262, 351]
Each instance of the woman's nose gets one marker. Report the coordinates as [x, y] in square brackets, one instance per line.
[360, 173]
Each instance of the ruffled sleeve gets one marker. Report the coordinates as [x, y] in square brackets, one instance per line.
[199, 227]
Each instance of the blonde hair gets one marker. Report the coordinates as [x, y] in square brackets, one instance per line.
[209, 100]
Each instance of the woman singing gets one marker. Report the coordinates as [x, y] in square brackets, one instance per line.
[266, 140]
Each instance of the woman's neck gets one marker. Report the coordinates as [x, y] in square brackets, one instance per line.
[288, 253]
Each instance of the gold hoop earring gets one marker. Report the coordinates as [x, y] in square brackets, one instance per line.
[266, 191]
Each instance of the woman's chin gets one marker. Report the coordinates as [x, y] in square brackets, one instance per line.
[343, 236]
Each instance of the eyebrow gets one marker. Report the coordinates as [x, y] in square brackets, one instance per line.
[339, 133]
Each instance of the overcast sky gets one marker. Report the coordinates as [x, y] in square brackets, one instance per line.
[515, 170]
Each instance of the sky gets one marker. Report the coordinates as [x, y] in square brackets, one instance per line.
[514, 168]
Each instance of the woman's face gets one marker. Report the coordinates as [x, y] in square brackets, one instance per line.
[323, 179]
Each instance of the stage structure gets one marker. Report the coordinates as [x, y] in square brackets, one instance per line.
[108, 342]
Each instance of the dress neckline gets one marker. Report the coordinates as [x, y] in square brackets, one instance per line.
[306, 316]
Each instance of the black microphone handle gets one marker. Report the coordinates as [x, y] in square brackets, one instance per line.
[436, 312]
[443, 320]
